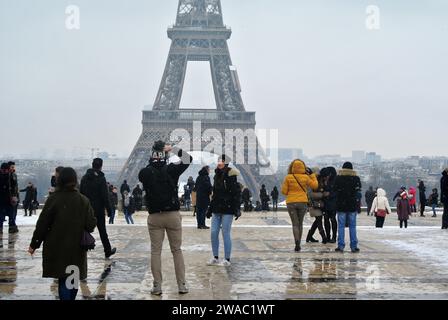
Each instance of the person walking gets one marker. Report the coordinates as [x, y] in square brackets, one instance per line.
[113, 200]
[380, 207]
[203, 189]
[422, 195]
[347, 187]
[316, 210]
[434, 201]
[369, 196]
[66, 216]
[8, 198]
[330, 223]
[30, 198]
[295, 188]
[128, 207]
[224, 207]
[94, 187]
[274, 196]
[160, 181]
[403, 209]
[444, 198]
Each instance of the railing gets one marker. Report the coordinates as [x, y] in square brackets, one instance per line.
[198, 115]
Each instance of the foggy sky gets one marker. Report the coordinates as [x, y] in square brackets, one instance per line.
[308, 68]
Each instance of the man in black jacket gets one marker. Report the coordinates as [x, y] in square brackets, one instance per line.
[160, 181]
[347, 187]
[94, 186]
[444, 197]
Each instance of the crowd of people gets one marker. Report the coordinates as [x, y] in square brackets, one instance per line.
[74, 209]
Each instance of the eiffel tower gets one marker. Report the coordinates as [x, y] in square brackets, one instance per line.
[199, 34]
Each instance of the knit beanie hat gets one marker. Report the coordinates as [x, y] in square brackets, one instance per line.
[348, 165]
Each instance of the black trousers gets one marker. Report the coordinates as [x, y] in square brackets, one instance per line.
[380, 222]
[422, 207]
[405, 222]
[101, 225]
[317, 224]
[200, 216]
[445, 216]
[331, 224]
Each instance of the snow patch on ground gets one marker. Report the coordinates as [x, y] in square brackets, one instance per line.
[429, 251]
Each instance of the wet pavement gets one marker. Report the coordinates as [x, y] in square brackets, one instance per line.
[393, 264]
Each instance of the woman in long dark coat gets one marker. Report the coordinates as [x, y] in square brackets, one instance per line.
[65, 217]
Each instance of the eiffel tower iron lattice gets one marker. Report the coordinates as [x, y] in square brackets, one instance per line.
[199, 34]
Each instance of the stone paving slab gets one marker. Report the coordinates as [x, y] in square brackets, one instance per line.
[393, 264]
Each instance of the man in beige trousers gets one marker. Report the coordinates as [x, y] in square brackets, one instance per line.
[160, 181]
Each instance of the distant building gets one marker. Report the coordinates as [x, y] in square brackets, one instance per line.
[373, 158]
[358, 156]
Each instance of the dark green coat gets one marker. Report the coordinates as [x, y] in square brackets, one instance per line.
[64, 218]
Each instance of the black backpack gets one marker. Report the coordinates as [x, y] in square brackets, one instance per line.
[162, 192]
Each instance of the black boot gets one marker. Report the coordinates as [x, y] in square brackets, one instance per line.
[297, 248]
[324, 239]
[309, 238]
[333, 240]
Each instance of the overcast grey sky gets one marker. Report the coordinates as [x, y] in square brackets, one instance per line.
[307, 67]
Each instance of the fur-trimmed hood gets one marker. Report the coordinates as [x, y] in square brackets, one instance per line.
[347, 172]
[233, 172]
[445, 172]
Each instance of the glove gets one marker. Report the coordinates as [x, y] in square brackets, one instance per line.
[309, 171]
[237, 215]
[209, 213]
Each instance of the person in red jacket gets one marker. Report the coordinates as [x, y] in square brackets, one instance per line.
[413, 199]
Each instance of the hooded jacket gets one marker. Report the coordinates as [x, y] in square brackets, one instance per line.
[380, 202]
[203, 188]
[226, 192]
[94, 187]
[347, 187]
[444, 187]
[296, 183]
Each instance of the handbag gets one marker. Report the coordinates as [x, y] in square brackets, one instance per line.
[381, 213]
[87, 241]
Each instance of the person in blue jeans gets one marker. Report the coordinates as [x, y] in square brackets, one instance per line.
[224, 207]
[347, 187]
[128, 207]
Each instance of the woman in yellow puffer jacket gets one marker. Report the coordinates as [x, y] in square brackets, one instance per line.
[295, 188]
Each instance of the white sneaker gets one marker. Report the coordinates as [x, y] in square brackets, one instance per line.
[226, 263]
[213, 262]
[183, 289]
[156, 289]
